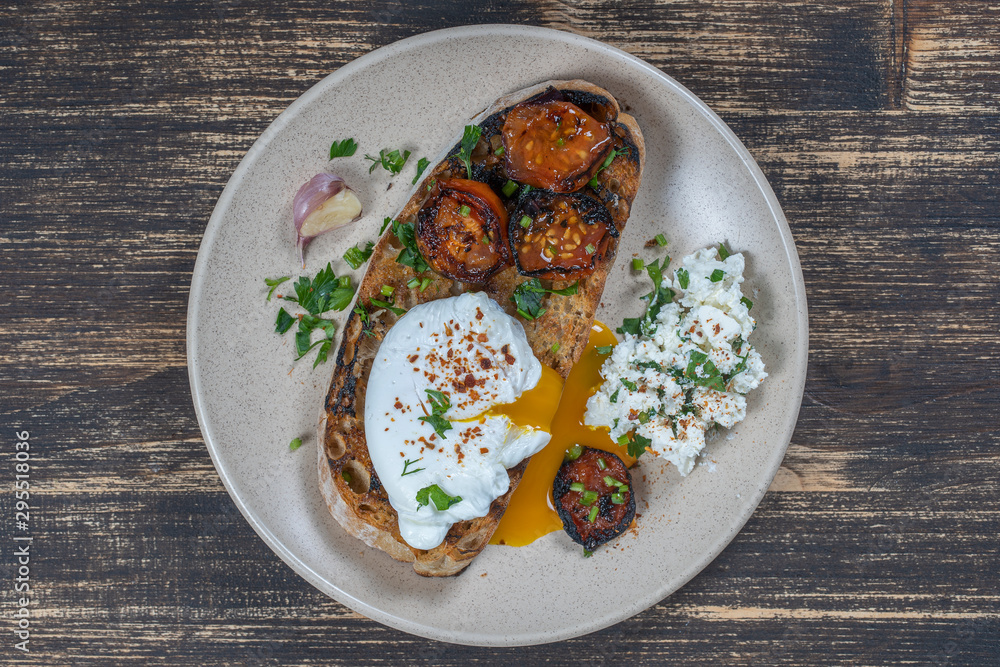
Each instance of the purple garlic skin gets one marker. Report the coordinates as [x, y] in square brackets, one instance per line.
[322, 205]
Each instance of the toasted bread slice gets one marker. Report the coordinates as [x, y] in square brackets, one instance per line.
[348, 479]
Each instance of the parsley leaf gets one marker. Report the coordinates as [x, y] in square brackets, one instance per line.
[273, 284]
[631, 386]
[421, 165]
[649, 364]
[655, 300]
[746, 302]
[614, 396]
[410, 255]
[528, 296]
[295, 444]
[604, 349]
[683, 278]
[284, 321]
[440, 402]
[387, 305]
[355, 256]
[385, 223]
[724, 252]
[345, 148]
[469, 140]
[709, 376]
[391, 161]
[717, 275]
[637, 445]
[434, 494]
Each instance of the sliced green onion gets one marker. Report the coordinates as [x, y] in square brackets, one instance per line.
[587, 554]
[344, 281]
[555, 347]
[499, 150]
[622, 488]
[589, 497]
[573, 453]
[617, 498]
[413, 283]
[593, 514]
[295, 444]
[525, 221]
[637, 264]
[602, 465]
[424, 282]
[590, 248]
[661, 240]
[560, 142]
[576, 486]
[464, 211]
[387, 290]
[623, 439]
[509, 188]
[486, 240]
[611, 481]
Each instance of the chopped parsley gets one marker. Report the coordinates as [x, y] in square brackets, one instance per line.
[637, 445]
[683, 278]
[355, 256]
[284, 321]
[631, 386]
[724, 252]
[434, 494]
[655, 300]
[407, 463]
[295, 444]
[708, 376]
[345, 148]
[469, 140]
[421, 165]
[604, 349]
[614, 396]
[717, 275]
[410, 255]
[440, 402]
[387, 305]
[273, 284]
[747, 302]
[391, 161]
[528, 297]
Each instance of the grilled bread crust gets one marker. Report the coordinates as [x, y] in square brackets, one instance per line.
[348, 481]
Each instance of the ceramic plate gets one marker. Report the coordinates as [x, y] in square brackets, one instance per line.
[700, 187]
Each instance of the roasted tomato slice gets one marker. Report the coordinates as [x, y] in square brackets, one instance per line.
[559, 236]
[553, 145]
[462, 230]
[593, 496]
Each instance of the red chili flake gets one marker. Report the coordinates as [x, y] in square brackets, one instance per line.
[717, 328]
[485, 363]
[484, 450]
[479, 314]
[413, 358]
[398, 405]
[482, 338]
[470, 380]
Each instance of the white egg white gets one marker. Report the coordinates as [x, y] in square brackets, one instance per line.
[468, 348]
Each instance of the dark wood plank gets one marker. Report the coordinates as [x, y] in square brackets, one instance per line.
[876, 124]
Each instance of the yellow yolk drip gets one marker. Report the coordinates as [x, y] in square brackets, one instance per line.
[530, 514]
[536, 407]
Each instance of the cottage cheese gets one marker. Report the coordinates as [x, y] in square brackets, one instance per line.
[689, 369]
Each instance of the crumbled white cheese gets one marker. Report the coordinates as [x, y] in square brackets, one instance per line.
[691, 371]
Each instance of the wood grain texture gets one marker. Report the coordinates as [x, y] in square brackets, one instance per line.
[876, 122]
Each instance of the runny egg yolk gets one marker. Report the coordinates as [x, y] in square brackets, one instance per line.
[530, 514]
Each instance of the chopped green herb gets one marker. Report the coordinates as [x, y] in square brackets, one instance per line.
[407, 463]
[604, 349]
[421, 165]
[637, 445]
[345, 148]
[509, 188]
[643, 417]
[295, 444]
[717, 275]
[528, 297]
[560, 142]
[385, 223]
[525, 221]
[464, 211]
[724, 252]
[614, 396]
[486, 240]
[413, 283]
[623, 439]
[617, 498]
[629, 384]
[587, 554]
[469, 140]
[434, 494]
[747, 302]
[440, 402]
[601, 464]
[424, 282]
[284, 321]
[499, 151]
[593, 514]
[273, 284]
[574, 452]
[355, 256]
[590, 248]
[683, 279]
[661, 240]
[637, 264]
[555, 347]
[709, 376]
[388, 306]
[589, 497]
[576, 486]
[642, 365]
[659, 297]
[391, 161]
[387, 290]
[410, 254]
[346, 476]
[594, 183]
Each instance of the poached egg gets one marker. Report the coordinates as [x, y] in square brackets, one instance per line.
[470, 350]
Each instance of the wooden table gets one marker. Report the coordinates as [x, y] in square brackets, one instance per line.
[878, 126]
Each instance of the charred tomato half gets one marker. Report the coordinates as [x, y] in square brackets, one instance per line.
[462, 230]
[553, 144]
[559, 236]
[593, 495]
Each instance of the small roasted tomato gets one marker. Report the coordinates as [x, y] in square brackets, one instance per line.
[554, 145]
[559, 236]
[592, 493]
[462, 230]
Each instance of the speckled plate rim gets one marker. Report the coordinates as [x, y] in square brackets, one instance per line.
[429, 630]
